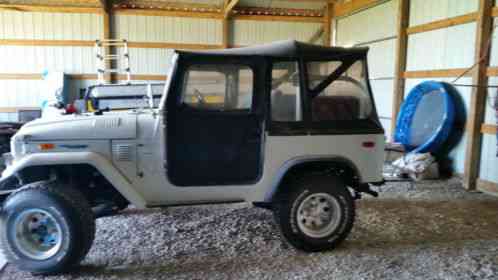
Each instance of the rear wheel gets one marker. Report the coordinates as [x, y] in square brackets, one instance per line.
[316, 214]
[47, 228]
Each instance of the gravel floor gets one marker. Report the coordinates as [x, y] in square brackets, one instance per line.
[427, 231]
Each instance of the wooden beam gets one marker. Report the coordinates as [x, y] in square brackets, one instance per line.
[347, 8]
[492, 71]
[167, 13]
[440, 73]
[106, 35]
[225, 32]
[51, 9]
[16, 109]
[487, 187]
[495, 12]
[228, 7]
[54, 43]
[279, 18]
[479, 94]
[169, 45]
[400, 59]
[36, 76]
[489, 129]
[444, 23]
[23, 76]
[327, 24]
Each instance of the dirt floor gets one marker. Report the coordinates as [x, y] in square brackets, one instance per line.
[427, 231]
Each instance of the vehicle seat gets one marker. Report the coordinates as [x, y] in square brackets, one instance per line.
[334, 108]
[283, 106]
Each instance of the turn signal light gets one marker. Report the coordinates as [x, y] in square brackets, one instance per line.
[46, 146]
[369, 144]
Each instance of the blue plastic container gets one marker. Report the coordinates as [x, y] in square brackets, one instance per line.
[426, 117]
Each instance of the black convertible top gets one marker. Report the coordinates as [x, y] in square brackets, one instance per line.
[285, 49]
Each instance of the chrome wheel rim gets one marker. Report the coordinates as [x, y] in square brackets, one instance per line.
[37, 234]
[319, 215]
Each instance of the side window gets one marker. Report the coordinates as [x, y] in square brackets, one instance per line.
[285, 96]
[218, 87]
[346, 98]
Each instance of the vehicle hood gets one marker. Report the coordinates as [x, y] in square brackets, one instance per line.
[81, 127]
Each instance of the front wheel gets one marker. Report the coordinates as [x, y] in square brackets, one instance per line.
[316, 214]
[46, 228]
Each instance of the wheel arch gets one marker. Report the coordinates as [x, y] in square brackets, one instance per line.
[47, 161]
[336, 165]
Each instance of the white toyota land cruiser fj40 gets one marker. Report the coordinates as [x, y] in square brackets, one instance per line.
[289, 126]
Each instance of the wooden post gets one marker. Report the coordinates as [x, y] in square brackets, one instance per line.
[228, 6]
[479, 94]
[403, 21]
[107, 34]
[226, 33]
[327, 24]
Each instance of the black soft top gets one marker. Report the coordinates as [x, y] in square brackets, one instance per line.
[286, 50]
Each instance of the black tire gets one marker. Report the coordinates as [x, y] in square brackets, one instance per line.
[288, 203]
[66, 207]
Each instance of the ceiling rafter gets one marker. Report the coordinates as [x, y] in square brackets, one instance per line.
[228, 7]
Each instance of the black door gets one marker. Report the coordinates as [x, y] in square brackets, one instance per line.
[214, 124]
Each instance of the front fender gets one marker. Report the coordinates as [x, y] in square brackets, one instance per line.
[99, 162]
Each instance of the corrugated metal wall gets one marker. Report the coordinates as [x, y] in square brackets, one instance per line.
[363, 29]
[489, 159]
[30, 59]
[249, 32]
[446, 48]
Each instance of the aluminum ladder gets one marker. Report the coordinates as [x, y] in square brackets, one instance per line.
[110, 59]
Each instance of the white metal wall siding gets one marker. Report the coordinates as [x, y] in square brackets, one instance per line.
[494, 46]
[49, 26]
[425, 11]
[150, 61]
[452, 47]
[36, 59]
[249, 32]
[168, 29]
[372, 24]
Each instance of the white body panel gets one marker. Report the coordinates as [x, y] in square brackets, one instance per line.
[141, 175]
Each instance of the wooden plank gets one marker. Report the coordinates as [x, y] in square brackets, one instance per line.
[51, 9]
[327, 24]
[489, 129]
[167, 13]
[317, 19]
[347, 8]
[229, 5]
[400, 59]
[169, 45]
[495, 12]
[86, 43]
[440, 73]
[16, 109]
[442, 23]
[225, 31]
[23, 76]
[106, 35]
[53, 43]
[35, 76]
[487, 187]
[492, 71]
[479, 94]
